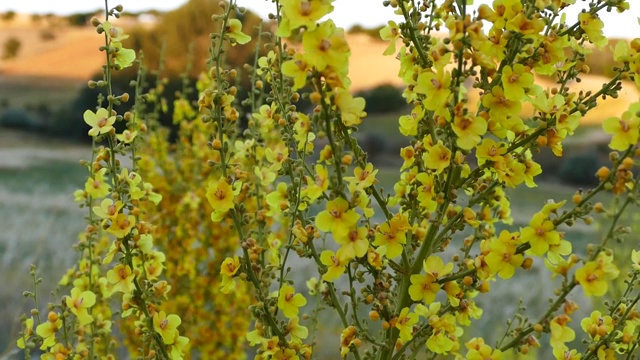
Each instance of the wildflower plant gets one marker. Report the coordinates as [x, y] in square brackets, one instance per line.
[195, 233]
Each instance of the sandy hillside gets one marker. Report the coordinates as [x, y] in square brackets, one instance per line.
[73, 54]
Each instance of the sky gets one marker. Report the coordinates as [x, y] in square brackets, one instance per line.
[347, 13]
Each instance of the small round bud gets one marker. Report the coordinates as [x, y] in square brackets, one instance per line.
[347, 159]
[315, 97]
[541, 140]
[52, 316]
[603, 173]
[576, 199]
[598, 207]
[538, 328]
[527, 263]
[216, 144]
[374, 315]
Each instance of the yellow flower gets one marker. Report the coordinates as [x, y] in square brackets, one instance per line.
[409, 123]
[127, 136]
[121, 225]
[592, 26]
[437, 158]
[347, 338]
[540, 234]
[289, 302]
[230, 266]
[178, 347]
[278, 199]
[220, 195]
[100, 121]
[515, 80]
[122, 57]
[490, 150]
[502, 258]
[426, 192]
[390, 33]
[597, 325]
[561, 332]
[337, 218]
[424, 287]
[354, 243]
[499, 106]
[391, 236]
[121, 277]
[525, 26]
[624, 130]
[114, 33]
[47, 330]
[326, 46]
[408, 154]
[478, 350]
[404, 323]
[635, 258]
[166, 326]
[298, 69]
[26, 334]
[351, 109]
[435, 87]
[335, 265]
[444, 337]
[285, 354]
[297, 331]
[510, 170]
[79, 302]
[234, 32]
[363, 178]
[297, 13]
[108, 209]
[276, 154]
[469, 131]
[318, 184]
[594, 276]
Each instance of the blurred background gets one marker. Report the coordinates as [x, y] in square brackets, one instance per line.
[49, 51]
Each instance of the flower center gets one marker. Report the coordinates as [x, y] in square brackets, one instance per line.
[325, 45]
[219, 194]
[305, 8]
[102, 122]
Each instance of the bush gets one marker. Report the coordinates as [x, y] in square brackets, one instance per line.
[8, 16]
[383, 99]
[11, 48]
[17, 118]
[580, 169]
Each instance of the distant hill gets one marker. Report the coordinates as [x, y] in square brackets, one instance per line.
[52, 49]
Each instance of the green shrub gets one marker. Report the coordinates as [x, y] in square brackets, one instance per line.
[580, 168]
[11, 48]
[17, 118]
[383, 99]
